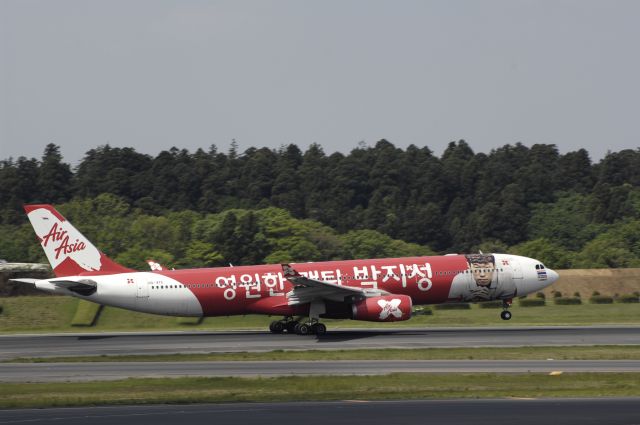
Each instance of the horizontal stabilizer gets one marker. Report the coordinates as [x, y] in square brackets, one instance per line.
[80, 286]
[25, 280]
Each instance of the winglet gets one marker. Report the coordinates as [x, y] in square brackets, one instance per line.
[289, 272]
[154, 265]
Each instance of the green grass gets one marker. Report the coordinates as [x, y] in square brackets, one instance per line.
[86, 314]
[37, 314]
[393, 386]
[117, 319]
[597, 352]
[190, 321]
[47, 314]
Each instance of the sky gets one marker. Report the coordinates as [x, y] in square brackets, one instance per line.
[152, 74]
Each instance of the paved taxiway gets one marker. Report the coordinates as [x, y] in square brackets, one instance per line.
[611, 411]
[51, 372]
[207, 342]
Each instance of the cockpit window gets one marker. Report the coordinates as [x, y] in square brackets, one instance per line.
[539, 266]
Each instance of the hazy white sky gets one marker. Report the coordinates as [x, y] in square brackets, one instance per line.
[153, 74]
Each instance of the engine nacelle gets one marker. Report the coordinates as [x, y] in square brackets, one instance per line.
[388, 308]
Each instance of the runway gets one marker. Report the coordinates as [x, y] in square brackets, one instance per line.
[208, 342]
[62, 372]
[612, 411]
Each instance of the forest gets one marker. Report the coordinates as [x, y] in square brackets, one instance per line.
[210, 208]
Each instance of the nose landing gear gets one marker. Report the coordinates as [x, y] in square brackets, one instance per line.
[506, 314]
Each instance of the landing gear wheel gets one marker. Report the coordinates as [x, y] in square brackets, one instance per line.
[291, 327]
[276, 327]
[506, 314]
[303, 329]
[319, 329]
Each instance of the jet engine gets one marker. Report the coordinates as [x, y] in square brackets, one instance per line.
[388, 308]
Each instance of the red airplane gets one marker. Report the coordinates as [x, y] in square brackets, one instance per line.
[378, 290]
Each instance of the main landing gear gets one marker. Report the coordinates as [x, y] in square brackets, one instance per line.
[312, 327]
[506, 314]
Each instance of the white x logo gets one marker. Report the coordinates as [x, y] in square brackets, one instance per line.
[390, 308]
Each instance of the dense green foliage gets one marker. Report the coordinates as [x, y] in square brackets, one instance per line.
[264, 205]
[601, 299]
[628, 299]
[567, 301]
[187, 238]
[531, 302]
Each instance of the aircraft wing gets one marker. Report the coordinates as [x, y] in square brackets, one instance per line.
[306, 289]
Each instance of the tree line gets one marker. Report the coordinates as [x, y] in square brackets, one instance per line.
[561, 208]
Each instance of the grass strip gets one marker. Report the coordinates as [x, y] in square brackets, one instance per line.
[394, 386]
[54, 314]
[593, 352]
[86, 314]
[189, 321]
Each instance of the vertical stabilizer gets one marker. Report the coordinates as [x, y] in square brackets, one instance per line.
[67, 250]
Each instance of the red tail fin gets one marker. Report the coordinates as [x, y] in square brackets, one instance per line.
[67, 250]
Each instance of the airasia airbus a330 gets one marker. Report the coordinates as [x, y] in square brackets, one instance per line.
[379, 290]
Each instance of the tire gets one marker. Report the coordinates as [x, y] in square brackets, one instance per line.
[291, 327]
[271, 326]
[296, 328]
[505, 315]
[278, 327]
[303, 329]
[319, 329]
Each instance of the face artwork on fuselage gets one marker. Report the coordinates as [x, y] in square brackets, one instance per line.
[482, 281]
[482, 272]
